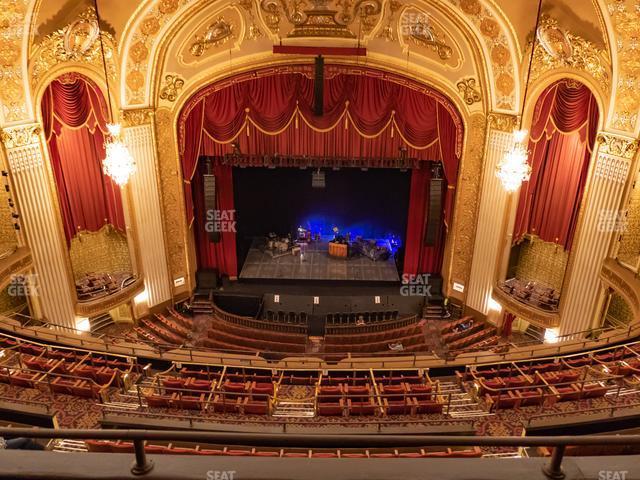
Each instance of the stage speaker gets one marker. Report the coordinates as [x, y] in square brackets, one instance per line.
[207, 279]
[210, 206]
[434, 211]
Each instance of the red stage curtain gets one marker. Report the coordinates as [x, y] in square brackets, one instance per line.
[220, 255]
[562, 137]
[419, 258]
[365, 116]
[75, 118]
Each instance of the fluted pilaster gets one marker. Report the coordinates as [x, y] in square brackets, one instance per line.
[583, 293]
[147, 207]
[493, 216]
[54, 287]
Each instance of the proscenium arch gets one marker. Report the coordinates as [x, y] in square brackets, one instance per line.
[180, 113]
[168, 30]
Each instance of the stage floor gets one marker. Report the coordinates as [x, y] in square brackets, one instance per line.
[317, 265]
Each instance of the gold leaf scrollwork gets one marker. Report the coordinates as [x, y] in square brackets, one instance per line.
[325, 18]
[137, 117]
[617, 146]
[471, 94]
[422, 32]
[219, 32]
[172, 86]
[77, 42]
[21, 136]
[387, 32]
[502, 122]
[253, 31]
[557, 48]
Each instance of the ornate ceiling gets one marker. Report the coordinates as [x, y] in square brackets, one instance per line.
[475, 51]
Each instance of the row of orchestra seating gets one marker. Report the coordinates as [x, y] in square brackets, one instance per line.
[411, 337]
[158, 332]
[228, 335]
[170, 449]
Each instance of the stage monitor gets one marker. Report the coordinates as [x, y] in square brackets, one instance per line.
[318, 179]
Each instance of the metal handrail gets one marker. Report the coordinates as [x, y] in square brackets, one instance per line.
[142, 465]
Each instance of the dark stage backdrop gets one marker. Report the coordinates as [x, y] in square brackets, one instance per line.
[372, 203]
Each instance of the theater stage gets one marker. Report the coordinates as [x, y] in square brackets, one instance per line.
[317, 265]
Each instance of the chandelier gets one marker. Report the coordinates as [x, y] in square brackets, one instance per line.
[118, 163]
[514, 168]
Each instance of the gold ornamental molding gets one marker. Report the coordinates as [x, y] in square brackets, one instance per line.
[557, 49]
[469, 90]
[502, 122]
[322, 18]
[18, 262]
[78, 42]
[101, 305]
[617, 146]
[171, 88]
[623, 281]
[21, 136]
[529, 313]
[137, 117]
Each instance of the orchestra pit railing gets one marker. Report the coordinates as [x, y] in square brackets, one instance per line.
[142, 465]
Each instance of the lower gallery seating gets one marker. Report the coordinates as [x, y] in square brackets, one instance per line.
[477, 397]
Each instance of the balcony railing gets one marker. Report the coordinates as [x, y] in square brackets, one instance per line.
[143, 467]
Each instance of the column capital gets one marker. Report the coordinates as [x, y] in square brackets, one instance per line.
[21, 135]
[503, 122]
[137, 117]
[617, 145]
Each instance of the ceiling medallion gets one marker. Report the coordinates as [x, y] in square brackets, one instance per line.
[554, 41]
[422, 33]
[216, 34]
[77, 42]
[80, 36]
[561, 49]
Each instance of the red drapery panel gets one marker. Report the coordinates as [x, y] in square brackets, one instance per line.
[75, 117]
[562, 137]
[367, 114]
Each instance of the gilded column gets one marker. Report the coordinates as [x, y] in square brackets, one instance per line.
[494, 216]
[147, 205]
[583, 293]
[54, 287]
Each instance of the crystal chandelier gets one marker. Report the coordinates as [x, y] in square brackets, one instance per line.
[118, 163]
[514, 168]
